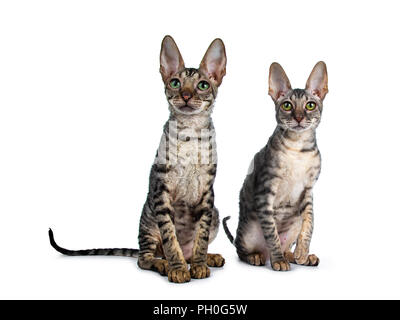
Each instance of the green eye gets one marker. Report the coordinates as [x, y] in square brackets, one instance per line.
[310, 106]
[287, 106]
[203, 85]
[175, 83]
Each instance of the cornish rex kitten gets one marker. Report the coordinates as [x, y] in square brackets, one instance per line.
[276, 203]
[179, 218]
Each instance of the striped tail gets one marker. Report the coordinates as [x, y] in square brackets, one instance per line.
[228, 233]
[93, 252]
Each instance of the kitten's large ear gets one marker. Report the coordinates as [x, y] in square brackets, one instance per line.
[279, 83]
[317, 83]
[170, 58]
[214, 61]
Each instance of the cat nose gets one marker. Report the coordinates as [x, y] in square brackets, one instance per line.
[186, 95]
[299, 118]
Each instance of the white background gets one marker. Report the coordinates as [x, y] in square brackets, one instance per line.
[81, 114]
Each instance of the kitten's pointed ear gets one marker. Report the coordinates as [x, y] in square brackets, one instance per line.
[317, 83]
[214, 61]
[279, 83]
[170, 58]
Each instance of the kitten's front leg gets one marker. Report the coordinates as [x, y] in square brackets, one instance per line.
[178, 270]
[198, 267]
[264, 200]
[301, 253]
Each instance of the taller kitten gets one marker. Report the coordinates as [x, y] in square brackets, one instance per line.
[179, 218]
[276, 203]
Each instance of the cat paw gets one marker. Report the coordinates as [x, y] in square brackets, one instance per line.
[281, 265]
[215, 260]
[199, 271]
[161, 266]
[180, 275]
[312, 260]
[256, 259]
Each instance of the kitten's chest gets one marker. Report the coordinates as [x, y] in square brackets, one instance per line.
[298, 171]
[188, 177]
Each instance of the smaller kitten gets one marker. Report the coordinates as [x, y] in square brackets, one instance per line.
[276, 202]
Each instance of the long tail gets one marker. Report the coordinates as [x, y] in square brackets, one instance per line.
[93, 252]
[228, 233]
